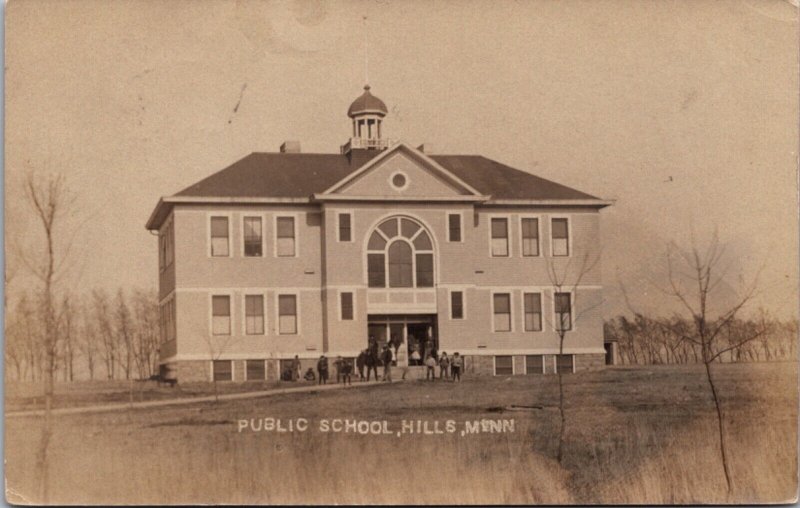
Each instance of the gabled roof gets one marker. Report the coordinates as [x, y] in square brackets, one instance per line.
[296, 177]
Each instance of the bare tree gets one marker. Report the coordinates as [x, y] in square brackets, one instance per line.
[695, 279]
[147, 332]
[88, 338]
[105, 329]
[66, 322]
[566, 282]
[51, 203]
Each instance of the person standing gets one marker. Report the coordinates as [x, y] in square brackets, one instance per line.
[337, 364]
[444, 364]
[430, 371]
[387, 363]
[296, 368]
[361, 360]
[347, 369]
[456, 366]
[322, 369]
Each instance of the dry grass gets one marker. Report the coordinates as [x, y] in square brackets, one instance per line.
[635, 435]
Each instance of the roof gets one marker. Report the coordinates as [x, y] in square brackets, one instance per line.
[298, 176]
[367, 103]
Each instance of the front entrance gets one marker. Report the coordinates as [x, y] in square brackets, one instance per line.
[410, 336]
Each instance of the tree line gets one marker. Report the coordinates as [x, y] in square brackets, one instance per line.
[101, 335]
[645, 340]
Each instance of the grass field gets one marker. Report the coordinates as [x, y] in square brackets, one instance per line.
[634, 435]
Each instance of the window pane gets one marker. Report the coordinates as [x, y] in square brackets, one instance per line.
[376, 270]
[564, 364]
[219, 227]
[287, 325]
[376, 242]
[287, 305]
[389, 228]
[499, 228]
[285, 227]
[223, 370]
[560, 228]
[454, 226]
[502, 312]
[563, 307]
[285, 247]
[347, 306]
[534, 364]
[503, 365]
[425, 270]
[254, 314]
[530, 237]
[252, 236]
[400, 265]
[502, 303]
[255, 370]
[344, 227]
[499, 247]
[423, 242]
[221, 305]
[408, 228]
[457, 305]
[530, 247]
[530, 228]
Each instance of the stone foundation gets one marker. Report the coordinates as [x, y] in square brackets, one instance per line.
[474, 365]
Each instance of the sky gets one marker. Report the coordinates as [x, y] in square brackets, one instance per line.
[685, 113]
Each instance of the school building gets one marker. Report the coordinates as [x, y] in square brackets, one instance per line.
[291, 253]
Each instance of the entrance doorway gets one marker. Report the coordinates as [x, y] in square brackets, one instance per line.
[407, 335]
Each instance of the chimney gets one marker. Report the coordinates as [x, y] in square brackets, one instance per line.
[290, 147]
[426, 148]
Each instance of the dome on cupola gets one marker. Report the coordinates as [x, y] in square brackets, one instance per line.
[367, 103]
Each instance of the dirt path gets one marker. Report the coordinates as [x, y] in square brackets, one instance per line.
[185, 400]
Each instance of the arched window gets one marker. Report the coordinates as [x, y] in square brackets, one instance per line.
[402, 250]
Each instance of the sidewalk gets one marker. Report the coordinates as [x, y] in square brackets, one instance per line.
[188, 400]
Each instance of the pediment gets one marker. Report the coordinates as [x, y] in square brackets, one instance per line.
[402, 172]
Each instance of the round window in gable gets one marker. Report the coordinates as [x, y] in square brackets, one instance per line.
[399, 181]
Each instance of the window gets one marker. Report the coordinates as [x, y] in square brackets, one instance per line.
[499, 228]
[253, 239]
[346, 301]
[255, 370]
[285, 242]
[533, 312]
[457, 305]
[254, 314]
[565, 364]
[534, 364]
[560, 234]
[162, 250]
[167, 320]
[345, 227]
[400, 265]
[402, 251]
[223, 370]
[166, 246]
[424, 270]
[377, 270]
[503, 365]
[220, 246]
[221, 315]
[287, 314]
[502, 312]
[530, 236]
[563, 307]
[454, 227]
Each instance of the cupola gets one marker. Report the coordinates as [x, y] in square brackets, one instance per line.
[367, 113]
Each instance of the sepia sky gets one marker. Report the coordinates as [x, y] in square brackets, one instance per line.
[684, 112]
